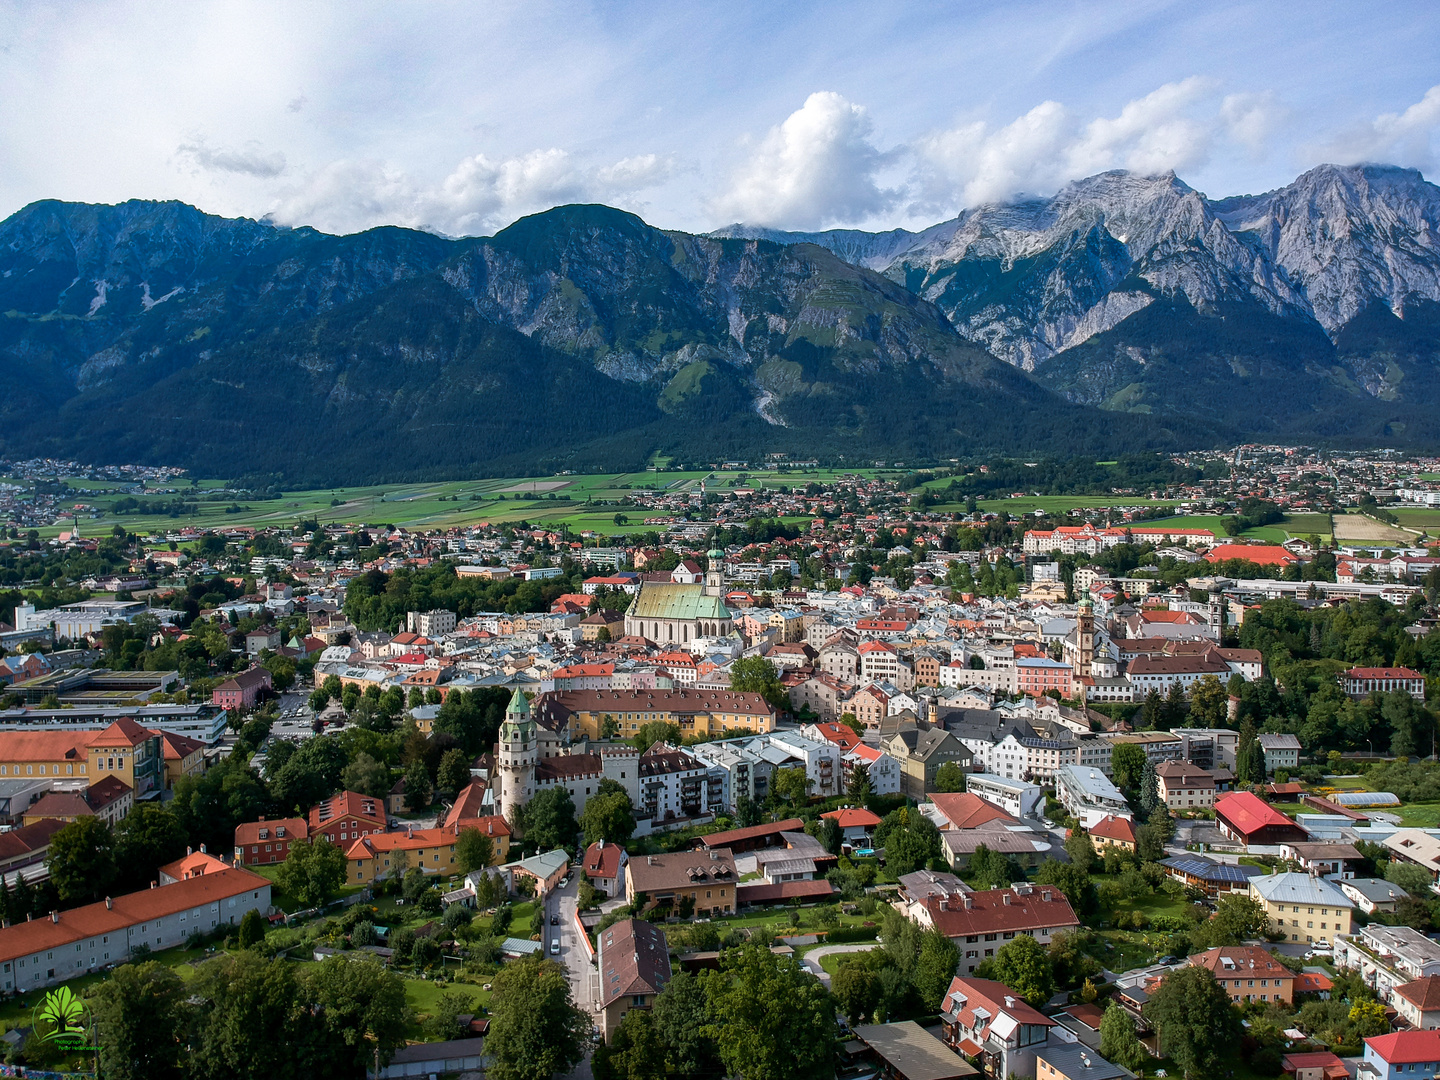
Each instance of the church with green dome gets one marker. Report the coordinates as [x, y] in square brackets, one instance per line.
[668, 613]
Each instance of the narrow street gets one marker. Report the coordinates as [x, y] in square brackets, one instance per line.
[584, 980]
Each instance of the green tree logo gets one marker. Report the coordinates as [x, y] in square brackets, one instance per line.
[60, 1018]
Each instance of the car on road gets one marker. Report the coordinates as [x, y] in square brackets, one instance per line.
[555, 946]
[565, 881]
[1321, 947]
[554, 920]
[1047, 823]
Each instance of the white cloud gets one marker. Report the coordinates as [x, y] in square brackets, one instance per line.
[1175, 127]
[818, 168]
[1406, 138]
[480, 193]
[251, 160]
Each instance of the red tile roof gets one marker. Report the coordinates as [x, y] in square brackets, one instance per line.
[24, 939]
[23, 841]
[1382, 673]
[1260, 554]
[853, 818]
[603, 860]
[1423, 993]
[988, 913]
[1251, 959]
[1111, 827]
[467, 803]
[732, 836]
[965, 810]
[967, 994]
[23, 746]
[348, 804]
[249, 832]
[761, 893]
[179, 747]
[1248, 813]
[1312, 982]
[1403, 1047]
[634, 959]
[123, 732]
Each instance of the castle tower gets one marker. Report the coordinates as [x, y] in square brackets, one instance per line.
[715, 575]
[1085, 632]
[518, 751]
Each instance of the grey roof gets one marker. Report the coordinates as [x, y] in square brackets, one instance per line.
[1079, 1062]
[1279, 742]
[1376, 890]
[1295, 888]
[913, 1052]
[987, 724]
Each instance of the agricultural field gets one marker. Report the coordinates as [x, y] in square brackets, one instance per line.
[1415, 815]
[1419, 519]
[553, 501]
[1366, 530]
[1062, 504]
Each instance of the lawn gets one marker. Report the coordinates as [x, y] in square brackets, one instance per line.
[1415, 815]
[830, 963]
[1124, 950]
[1059, 504]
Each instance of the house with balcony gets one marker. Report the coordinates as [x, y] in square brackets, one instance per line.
[988, 1023]
[1388, 957]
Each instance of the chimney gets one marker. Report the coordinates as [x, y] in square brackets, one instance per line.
[54, 916]
[109, 904]
[1045, 896]
[29, 916]
[153, 884]
[202, 849]
[1006, 899]
[1009, 1002]
[189, 850]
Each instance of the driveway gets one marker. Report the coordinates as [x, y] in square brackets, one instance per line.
[812, 959]
[584, 980]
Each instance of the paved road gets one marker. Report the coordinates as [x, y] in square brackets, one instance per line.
[584, 981]
[813, 957]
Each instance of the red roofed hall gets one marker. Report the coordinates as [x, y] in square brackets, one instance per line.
[1259, 554]
[1038, 910]
[1251, 820]
[1383, 1053]
[966, 810]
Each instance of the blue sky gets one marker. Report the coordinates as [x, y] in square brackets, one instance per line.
[462, 117]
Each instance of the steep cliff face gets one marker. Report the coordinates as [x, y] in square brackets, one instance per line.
[642, 338]
[1348, 237]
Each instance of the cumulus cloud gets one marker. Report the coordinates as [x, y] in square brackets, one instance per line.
[479, 194]
[250, 160]
[1406, 138]
[818, 168]
[1175, 127]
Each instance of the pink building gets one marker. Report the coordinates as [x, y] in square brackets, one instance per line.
[242, 691]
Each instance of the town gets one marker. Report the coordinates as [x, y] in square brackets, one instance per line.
[781, 772]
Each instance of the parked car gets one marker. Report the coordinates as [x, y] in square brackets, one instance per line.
[555, 946]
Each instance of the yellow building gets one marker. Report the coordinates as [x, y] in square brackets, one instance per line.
[377, 855]
[705, 878]
[1303, 908]
[184, 756]
[581, 713]
[124, 750]
[634, 963]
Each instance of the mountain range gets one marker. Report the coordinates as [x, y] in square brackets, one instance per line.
[1124, 313]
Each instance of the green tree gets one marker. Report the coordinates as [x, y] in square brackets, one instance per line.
[251, 1023]
[858, 990]
[1149, 789]
[791, 785]
[774, 1021]
[147, 838]
[949, 778]
[635, 1051]
[935, 965]
[550, 819]
[454, 772]
[1209, 701]
[141, 1016]
[1081, 849]
[1127, 762]
[367, 776]
[608, 817]
[1119, 1044]
[252, 929]
[1414, 879]
[313, 871]
[473, 850]
[654, 732]
[756, 675]
[535, 1029]
[81, 861]
[418, 788]
[685, 1023]
[1192, 1014]
[908, 839]
[361, 1007]
[1024, 966]
[989, 869]
[1073, 882]
[443, 1022]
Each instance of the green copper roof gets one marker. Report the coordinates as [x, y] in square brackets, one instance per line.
[519, 703]
[662, 601]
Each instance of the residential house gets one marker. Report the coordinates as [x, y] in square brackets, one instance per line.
[1418, 1002]
[1184, 786]
[84, 940]
[347, 816]
[1018, 798]
[1317, 1065]
[1112, 832]
[110, 800]
[604, 866]
[375, 856]
[1248, 973]
[1401, 1055]
[633, 959]
[903, 1050]
[920, 754]
[1209, 877]
[1413, 846]
[1281, 752]
[1302, 907]
[856, 823]
[260, 843]
[987, 1022]
[1327, 858]
[706, 878]
[1361, 682]
[242, 691]
[1088, 795]
[981, 922]
[1388, 957]
[1070, 1061]
[1372, 894]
